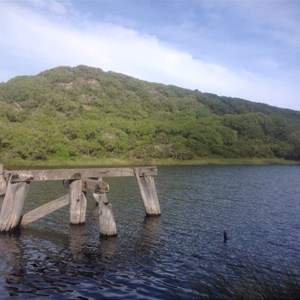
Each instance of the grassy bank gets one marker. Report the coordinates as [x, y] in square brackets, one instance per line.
[114, 162]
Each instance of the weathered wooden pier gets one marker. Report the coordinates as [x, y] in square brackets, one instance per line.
[14, 186]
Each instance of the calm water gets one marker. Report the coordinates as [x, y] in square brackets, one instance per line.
[178, 255]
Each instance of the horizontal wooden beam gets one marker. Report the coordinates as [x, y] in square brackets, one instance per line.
[95, 186]
[61, 174]
[45, 210]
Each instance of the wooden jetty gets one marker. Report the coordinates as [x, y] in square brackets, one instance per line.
[14, 185]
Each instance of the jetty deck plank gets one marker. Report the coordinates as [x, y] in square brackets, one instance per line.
[61, 174]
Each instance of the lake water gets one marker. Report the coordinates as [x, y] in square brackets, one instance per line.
[179, 255]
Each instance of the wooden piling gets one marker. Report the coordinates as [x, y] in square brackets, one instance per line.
[1, 202]
[107, 224]
[78, 203]
[12, 206]
[148, 192]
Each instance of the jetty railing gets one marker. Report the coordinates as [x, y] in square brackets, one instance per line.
[14, 185]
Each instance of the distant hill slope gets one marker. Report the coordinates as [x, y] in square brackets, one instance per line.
[67, 113]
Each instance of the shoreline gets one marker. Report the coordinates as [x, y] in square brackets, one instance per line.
[112, 162]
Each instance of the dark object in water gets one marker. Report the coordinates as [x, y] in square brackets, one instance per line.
[225, 236]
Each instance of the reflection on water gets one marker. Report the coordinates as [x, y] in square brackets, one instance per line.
[78, 241]
[108, 246]
[179, 254]
[39, 264]
[9, 260]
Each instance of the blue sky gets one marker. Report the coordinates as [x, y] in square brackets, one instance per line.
[247, 49]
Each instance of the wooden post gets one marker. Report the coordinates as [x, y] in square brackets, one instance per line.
[12, 206]
[77, 203]
[1, 202]
[2, 181]
[148, 193]
[107, 224]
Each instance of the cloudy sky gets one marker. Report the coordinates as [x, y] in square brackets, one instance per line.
[243, 48]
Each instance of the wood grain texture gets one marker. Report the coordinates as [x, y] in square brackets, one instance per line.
[44, 210]
[61, 174]
[12, 206]
[78, 203]
[107, 224]
[2, 181]
[149, 195]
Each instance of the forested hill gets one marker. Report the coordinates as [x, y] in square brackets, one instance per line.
[70, 113]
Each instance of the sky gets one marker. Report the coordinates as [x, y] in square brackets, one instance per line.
[248, 49]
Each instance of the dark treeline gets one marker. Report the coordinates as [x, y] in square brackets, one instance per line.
[69, 113]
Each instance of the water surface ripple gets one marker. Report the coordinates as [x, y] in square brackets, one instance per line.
[180, 254]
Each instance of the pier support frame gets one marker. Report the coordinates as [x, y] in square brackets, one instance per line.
[14, 186]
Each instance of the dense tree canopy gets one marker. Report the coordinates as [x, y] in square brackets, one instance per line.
[67, 113]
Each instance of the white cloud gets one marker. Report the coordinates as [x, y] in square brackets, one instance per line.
[38, 42]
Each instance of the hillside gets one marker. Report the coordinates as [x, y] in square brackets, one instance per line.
[70, 113]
